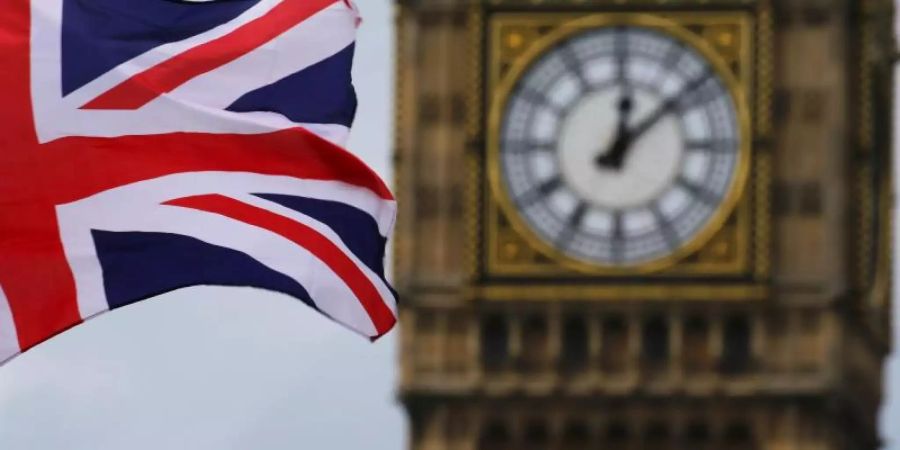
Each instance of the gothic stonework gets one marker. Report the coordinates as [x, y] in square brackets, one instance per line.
[767, 331]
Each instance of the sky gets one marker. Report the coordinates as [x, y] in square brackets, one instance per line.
[222, 368]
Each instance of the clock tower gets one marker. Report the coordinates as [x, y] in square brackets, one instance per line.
[644, 224]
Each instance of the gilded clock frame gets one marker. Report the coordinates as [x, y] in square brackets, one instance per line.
[873, 234]
[503, 86]
[749, 225]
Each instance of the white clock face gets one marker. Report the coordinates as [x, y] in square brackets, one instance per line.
[619, 145]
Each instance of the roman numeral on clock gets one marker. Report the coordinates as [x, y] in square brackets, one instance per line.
[523, 147]
[574, 65]
[540, 99]
[621, 55]
[573, 224]
[617, 242]
[699, 192]
[541, 191]
[665, 227]
[670, 60]
[711, 145]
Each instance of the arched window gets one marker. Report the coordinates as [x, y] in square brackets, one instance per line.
[575, 344]
[495, 435]
[535, 342]
[614, 346]
[494, 342]
[696, 435]
[656, 435]
[456, 427]
[616, 434]
[536, 437]
[697, 432]
[696, 345]
[738, 436]
[736, 345]
[576, 436]
[426, 343]
[655, 342]
[457, 343]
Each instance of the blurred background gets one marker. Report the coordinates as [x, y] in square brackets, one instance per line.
[217, 368]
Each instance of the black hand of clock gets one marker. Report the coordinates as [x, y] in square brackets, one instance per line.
[615, 155]
[667, 105]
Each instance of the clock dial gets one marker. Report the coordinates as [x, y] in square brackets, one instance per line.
[619, 145]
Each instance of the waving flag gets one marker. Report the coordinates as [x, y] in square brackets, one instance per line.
[150, 145]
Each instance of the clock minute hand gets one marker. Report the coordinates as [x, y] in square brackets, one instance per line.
[667, 105]
[652, 119]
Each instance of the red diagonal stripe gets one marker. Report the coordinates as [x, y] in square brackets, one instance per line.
[142, 88]
[35, 274]
[306, 237]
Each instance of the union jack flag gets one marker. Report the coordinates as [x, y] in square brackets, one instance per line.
[150, 145]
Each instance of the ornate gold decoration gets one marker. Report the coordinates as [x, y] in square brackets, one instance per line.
[473, 131]
[864, 224]
[728, 33]
[763, 166]
[692, 292]
[763, 226]
[645, 3]
[474, 107]
[880, 293]
[765, 72]
[872, 273]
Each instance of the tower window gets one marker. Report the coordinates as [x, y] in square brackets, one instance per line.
[810, 199]
[534, 342]
[697, 433]
[458, 109]
[736, 352]
[813, 104]
[655, 344]
[576, 436]
[495, 436]
[429, 108]
[738, 436]
[657, 433]
[614, 349]
[536, 435]
[782, 106]
[696, 344]
[617, 433]
[456, 425]
[782, 198]
[457, 343]
[494, 342]
[575, 343]
[426, 342]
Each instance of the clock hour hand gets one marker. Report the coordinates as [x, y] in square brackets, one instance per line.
[614, 157]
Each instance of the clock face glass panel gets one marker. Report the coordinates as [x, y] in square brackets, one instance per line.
[619, 145]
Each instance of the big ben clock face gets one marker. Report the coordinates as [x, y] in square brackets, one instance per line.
[620, 146]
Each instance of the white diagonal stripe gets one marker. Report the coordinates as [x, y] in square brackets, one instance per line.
[315, 39]
[57, 117]
[326, 289]
[160, 190]
[322, 228]
[138, 207]
[51, 11]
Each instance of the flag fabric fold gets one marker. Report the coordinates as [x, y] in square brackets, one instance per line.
[151, 145]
